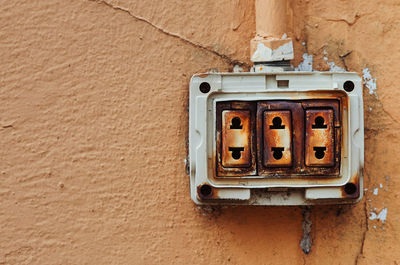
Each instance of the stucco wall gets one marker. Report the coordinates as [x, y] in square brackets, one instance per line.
[93, 131]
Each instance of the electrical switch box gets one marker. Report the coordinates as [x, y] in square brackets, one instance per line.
[254, 142]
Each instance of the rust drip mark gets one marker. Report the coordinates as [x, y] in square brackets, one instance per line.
[319, 146]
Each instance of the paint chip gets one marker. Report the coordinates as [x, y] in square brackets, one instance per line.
[369, 82]
[307, 64]
[334, 68]
[381, 216]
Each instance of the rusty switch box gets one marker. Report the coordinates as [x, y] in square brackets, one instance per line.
[253, 141]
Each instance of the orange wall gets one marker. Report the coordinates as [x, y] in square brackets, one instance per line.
[93, 132]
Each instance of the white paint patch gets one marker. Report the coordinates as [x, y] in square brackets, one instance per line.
[380, 185]
[376, 191]
[381, 216]
[266, 54]
[306, 65]
[369, 82]
[237, 69]
[284, 36]
[334, 67]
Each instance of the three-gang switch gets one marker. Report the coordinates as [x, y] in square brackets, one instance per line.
[292, 138]
[287, 138]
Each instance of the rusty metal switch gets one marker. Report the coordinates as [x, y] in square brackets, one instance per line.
[319, 144]
[236, 138]
[277, 138]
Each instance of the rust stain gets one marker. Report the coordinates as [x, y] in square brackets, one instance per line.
[277, 131]
[298, 116]
[319, 146]
[351, 189]
[236, 138]
[235, 141]
[206, 192]
[202, 75]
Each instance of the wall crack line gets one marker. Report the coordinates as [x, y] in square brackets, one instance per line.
[361, 252]
[171, 34]
[350, 23]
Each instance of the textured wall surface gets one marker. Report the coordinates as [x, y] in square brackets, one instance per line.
[93, 131]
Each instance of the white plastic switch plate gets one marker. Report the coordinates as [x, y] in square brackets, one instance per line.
[300, 178]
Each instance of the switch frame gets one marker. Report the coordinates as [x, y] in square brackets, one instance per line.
[253, 87]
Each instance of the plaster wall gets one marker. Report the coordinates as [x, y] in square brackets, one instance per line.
[93, 132]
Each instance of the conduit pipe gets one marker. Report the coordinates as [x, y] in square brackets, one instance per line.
[271, 43]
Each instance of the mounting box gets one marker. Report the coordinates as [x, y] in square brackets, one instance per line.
[287, 138]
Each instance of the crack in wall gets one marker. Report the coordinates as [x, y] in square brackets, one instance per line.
[306, 241]
[171, 34]
[350, 23]
[361, 252]
[343, 59]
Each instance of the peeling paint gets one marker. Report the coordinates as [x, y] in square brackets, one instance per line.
[266, 54]
[334, 67]
[381, 216]
[369, 82]
[307, 64]
[376, 191]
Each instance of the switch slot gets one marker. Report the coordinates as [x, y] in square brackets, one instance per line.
[277, 138]
[236, 138]
[320, 139]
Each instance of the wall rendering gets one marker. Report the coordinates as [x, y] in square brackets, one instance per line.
[93, 132]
